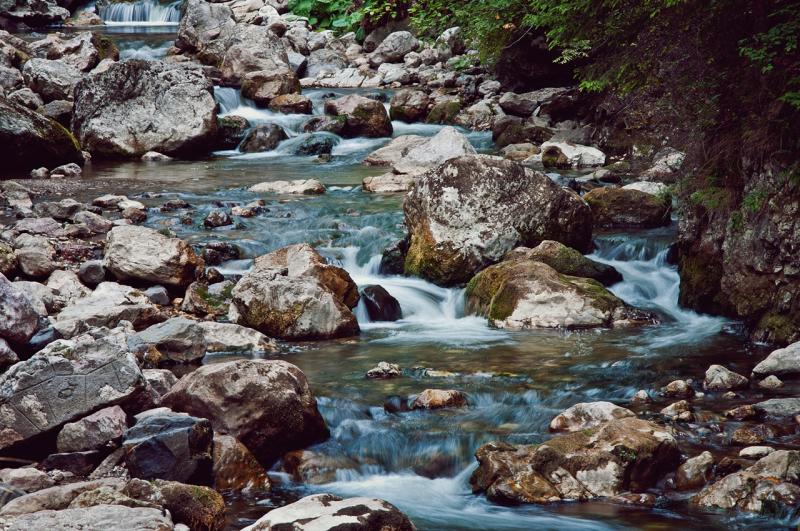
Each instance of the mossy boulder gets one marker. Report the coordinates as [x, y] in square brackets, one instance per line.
[29, 140]
[627, 454]
[444, 112]
[363, 116]
[521, 294]
[467, 213]
[621, 207]
[568, 261]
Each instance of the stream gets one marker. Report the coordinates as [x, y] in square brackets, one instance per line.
[516, 381]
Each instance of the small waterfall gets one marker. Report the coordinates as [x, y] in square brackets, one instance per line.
[142, 12]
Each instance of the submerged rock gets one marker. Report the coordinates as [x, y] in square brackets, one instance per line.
[138, 106]
[524, 294]
[384, 371]
[469, 212]
[267, 405]
[326, 512]
[439, 398]
[235, 467]
[381, 306]
[622, 455]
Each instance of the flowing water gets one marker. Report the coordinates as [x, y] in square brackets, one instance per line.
[516, 381]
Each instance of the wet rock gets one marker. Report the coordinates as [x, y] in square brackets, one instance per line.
[155, 156]
[116, 517]
[108, 305]
[328, 124]
[381, 306]
[393, 258]
[444, 112]
[718, 378]
[388, 183]
[742, 413]
[231, 130]
[217, 218]
[523, 294]
[263, 137]
[178, 340]
[94, 431]
[769, 486]
[618, 207]
[292, 293]
[326, 511]
[65, 381]
[299, 186]
[679, 411]
[291, 104]
[235, 468]
[29, 140]
[627, 454]
[515, 204]
[588, 415]
[315, 145]
[567, 261]
[18, 318]
[384, 371]
[756, 452]
[753, 434]
[313, 468]
[778, 407]
[52, 80]
[164, 107]
[143, 254]
[267, 405]
[695, 472]
[770, 382]
[28, 479]
[363, 116]
[439, 398]
[678, 389]
[780, 362]
[409, 105]
[229, 337]
[166, 445]
[264, 86]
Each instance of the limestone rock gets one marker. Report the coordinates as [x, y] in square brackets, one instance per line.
[780, 362]
[718, 378]
[178, 340]
[299, 186]
[267, 405]
[588, 415]
[164, 107]
[469, 212]
[229, 337]
[143, 254]
[52, 80]
[117, 517]
[66, 380]
[93, 431]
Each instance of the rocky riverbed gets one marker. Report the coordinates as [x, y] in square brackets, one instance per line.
[254, 275]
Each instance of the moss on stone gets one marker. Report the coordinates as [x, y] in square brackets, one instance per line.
[444, 113]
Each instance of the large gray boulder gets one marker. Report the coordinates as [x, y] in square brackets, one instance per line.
[96, 517]
[267, 405]
[34, 13]
[109, 305]
[83, 51]
[146, 255]
[93, 431]
[781, 362]
[138, 106]
[469, 212]
[18, 316]
[393, 48]
[52, 80]
[63, 382]
[326, 511]
[29, 140]
[293, 294]
[177, 340]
